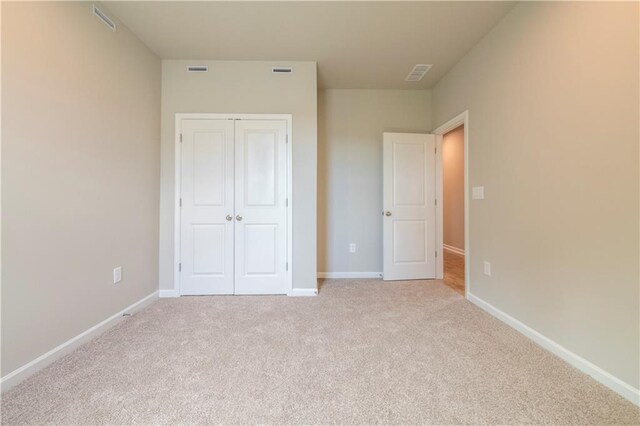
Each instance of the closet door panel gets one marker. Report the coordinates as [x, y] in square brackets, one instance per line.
[207, 200]
[260, 206]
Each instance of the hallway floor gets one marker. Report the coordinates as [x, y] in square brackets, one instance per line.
[454, 271]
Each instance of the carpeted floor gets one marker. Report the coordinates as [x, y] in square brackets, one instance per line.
[361, 352]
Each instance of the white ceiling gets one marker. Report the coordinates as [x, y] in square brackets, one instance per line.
[358, 45]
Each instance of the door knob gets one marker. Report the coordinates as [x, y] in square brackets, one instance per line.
[229, 217]
[238, 218]
[387, 213]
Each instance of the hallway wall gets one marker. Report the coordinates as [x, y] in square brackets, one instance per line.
[453, 188]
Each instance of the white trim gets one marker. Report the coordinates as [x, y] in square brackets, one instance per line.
[458, 120]
[1, 187]
[332, 275]
[304, 292]
[453, 249]
[21, 373]
[168, 293]
[230, 116]
[289, 119]
[439, 209]
[602, 376]
[177, 181]
[176, 204]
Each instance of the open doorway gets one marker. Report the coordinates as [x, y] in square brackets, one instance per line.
[453, 200]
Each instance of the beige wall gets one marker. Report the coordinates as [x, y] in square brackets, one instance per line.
[80, 170]
[246, 87]
[453, 188]
[350, 127]
[552, 94]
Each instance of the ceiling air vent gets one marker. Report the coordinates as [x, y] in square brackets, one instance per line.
[104, 18]
[197, 68]
[418, 72]
[281, 70]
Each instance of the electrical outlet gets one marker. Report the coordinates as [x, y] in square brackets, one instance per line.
[352, 248]
[487, 268]
[117, 274]
[477, 193]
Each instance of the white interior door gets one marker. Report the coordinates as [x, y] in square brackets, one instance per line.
[409, 206]
[207, 225]
[261, 207]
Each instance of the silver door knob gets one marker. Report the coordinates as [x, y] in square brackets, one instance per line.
[229, 217]
[387, 213]
[238, 218]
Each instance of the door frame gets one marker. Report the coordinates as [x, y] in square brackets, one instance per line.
[457, 121]
[178, 178]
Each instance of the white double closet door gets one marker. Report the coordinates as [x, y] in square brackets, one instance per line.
[233, 233]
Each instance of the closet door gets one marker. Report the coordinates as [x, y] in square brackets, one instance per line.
[260, 207]
[207, 211]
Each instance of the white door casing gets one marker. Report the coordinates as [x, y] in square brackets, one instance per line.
[409, 243]
[207, 232]
[261, 207]
[233, 192]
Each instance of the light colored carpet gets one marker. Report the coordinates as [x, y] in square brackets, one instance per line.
[361, 352]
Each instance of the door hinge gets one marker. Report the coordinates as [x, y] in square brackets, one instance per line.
[286, 202]
[180, 137]
[436, 201]
[180, 202]
[180, 267]
[287, 138]
[436, 254]
[287, 266]
[435, 150]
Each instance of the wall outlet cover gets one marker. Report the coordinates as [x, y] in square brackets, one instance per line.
[352, 248]
[477, 192]
[487, 268]
[117, 274]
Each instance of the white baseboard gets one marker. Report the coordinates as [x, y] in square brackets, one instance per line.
[607, 379]
[349, 275]
[19, 374]
[294, 292]
[304, 292]
[169, 293]
[453, 249]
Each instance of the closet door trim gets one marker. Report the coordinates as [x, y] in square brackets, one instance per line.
[175, 292]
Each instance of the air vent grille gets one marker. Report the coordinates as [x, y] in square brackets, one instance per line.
[197, 68]
[281, 70]
[418, 72]
[104, 18]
